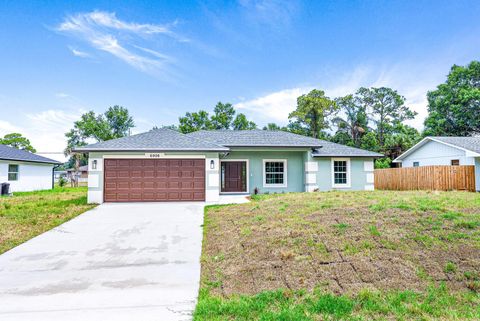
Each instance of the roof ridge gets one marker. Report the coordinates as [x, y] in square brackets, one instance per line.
[201, 140]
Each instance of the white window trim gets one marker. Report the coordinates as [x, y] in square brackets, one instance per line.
[220, 175]
[17, 172]
[285, 174]
[349, 172]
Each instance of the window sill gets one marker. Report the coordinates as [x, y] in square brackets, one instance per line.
[341, 186]
[274, 186]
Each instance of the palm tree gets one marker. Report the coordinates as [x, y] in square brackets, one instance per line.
[355, 121]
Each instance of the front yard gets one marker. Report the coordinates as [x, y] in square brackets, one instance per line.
[343, 255]
[26, 215]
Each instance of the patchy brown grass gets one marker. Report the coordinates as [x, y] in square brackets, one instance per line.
[26, 215]
[343, 242]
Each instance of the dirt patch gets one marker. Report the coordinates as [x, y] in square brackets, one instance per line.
[343, 242]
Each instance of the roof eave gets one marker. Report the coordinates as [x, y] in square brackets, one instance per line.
[53, 162]
[87, 150]
[345, 155]
[273, 146]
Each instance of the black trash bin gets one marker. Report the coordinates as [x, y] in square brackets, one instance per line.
[5, 188]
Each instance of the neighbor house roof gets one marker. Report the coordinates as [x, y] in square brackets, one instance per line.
[155, 140]
[11, 153]
[468, 144]
[272, 138]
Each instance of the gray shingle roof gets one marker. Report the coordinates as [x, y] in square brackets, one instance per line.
[256, 138]
[221, 140]
[272, 138]
[470, 143]
[10, 153]
[330, 149]
[155, 140]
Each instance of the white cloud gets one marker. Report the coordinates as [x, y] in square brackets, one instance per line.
[103, 31]
[274, 13]
[45, 130]
[62, 95]
[273, 107]
[79, 53]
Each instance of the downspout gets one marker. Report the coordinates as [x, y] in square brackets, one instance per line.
[53, 175]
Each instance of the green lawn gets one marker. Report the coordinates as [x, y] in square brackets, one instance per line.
[343, 256]
[28, 214]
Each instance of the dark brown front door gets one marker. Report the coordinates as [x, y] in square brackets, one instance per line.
[153, 180]
[234, 177]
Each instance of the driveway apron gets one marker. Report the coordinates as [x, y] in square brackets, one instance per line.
[131, 261]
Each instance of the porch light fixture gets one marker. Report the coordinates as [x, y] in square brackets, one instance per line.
[94, 164]
[212, 164]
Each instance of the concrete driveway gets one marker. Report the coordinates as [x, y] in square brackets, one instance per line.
[136, 261]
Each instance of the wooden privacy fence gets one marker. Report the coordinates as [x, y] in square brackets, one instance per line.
[438, 177]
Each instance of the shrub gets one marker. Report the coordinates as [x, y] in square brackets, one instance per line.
[383, 162]
[62, 182]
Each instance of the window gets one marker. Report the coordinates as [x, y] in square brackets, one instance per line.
[341, 172]
[274, 173]
[416, 164]
[12, 172]
[455, 162]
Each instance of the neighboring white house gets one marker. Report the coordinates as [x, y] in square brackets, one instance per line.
[444, 151]
[25, 171]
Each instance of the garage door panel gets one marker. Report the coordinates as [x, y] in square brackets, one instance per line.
[173, 185]
[136, 185]
[123, 185]
[123, 162]
[135, 180]
[149, 173]
[174, 174]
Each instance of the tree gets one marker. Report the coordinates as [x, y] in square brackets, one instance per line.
[313, 110]
[297, 127]
[369, 141]
[116, 122]
[354, 123]
[454, 107]
[385, 162]
[272, 126]
[192, 122]
[400, 138]
[386, 107]
[223, 116]
[242, 123]
[16, 140]
[119, 121]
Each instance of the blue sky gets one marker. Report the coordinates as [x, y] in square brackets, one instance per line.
[161, 59]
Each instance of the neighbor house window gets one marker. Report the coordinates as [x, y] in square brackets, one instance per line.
[341, 172]
[416, 164]
[455, 162]
[274, 173]
[12, 172]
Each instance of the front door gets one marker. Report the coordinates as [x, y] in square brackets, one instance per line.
[234, 176]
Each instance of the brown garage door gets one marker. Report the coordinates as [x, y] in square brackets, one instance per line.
[143, 180]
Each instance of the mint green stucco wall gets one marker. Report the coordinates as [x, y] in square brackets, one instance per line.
[295, 169]
[358, 174]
